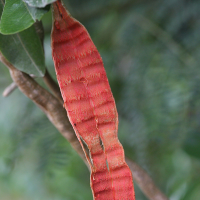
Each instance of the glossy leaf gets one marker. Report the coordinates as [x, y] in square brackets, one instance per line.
[18, 16]
[38, 3]
[24, 51]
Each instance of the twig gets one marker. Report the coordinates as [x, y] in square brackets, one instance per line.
[47, 102]
[40, 31]
[57, 115]
[53, 86]
[9, 89]
[47, 79]
[145, 182]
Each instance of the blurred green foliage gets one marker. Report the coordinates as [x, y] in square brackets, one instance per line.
[151, 54]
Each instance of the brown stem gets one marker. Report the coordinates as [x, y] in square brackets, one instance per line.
[53, 86]
[145, 182]
[40, 31]
[8, 90]
[57, 115]
[47, 102]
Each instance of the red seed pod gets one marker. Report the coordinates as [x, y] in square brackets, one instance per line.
[90, 105]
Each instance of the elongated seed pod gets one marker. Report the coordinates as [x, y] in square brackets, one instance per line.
[90, 106]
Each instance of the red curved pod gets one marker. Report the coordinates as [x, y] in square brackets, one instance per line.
[90, 106]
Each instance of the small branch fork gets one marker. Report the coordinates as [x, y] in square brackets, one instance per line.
[8, 90]
[52, 107]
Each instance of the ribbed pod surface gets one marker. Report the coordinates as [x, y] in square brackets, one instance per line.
[90, 106]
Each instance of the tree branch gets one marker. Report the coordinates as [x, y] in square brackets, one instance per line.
[53, 86]
[57, 115]
[145, 182]
[47, 102]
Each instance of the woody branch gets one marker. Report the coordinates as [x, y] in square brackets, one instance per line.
[55, 112]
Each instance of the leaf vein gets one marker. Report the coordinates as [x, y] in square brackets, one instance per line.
[28, 53]
[29, 11]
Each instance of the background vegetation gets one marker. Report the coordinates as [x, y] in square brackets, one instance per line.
[151, 54]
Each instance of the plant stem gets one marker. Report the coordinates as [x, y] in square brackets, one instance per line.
[58, 117]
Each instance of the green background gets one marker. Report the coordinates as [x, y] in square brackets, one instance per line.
[151, 52]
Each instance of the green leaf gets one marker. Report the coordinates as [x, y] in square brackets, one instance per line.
[18, 16]
[38, 3]
[24, 51]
